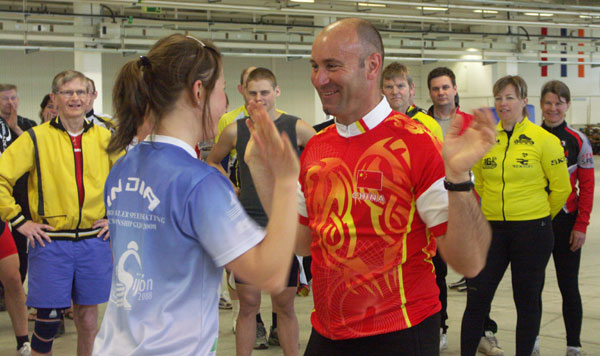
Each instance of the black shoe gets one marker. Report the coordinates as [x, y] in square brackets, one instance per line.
[459, 283]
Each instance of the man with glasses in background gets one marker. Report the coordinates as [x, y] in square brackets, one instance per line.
[70, 256]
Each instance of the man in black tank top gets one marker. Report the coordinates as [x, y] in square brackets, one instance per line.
[261, 86]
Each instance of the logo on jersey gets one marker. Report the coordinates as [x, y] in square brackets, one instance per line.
[556, 162]
[489, 163]
[523, 140]
[522, 162]
[369, 179]
[131, 282]
[134, 184]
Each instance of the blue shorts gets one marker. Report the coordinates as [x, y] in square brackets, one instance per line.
[65, 270]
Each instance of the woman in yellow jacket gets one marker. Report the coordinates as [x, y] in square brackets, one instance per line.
[523, 182]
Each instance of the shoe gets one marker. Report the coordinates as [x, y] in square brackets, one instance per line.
[224, 303]
[574, 351]
[303, 290]
[536, 351]
[260, 343]
[461, 282]
[61, 329]
[443, 340]
[273, 337]
[488, 345]
[25, 350]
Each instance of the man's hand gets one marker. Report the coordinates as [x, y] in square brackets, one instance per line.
[576, 240]
[34, 231]
[13, 120]
[103, 223]
[461, 152]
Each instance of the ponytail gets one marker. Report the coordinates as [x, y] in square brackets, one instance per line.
[130, 101]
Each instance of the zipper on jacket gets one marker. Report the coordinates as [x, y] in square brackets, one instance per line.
[503, 170]
[75, 166]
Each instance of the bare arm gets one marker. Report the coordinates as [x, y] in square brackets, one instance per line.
[304, 132]
[221, 149]
[468, 235]
[267, 264]
[303, 240]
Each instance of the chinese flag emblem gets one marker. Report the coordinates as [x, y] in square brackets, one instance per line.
[369, 180]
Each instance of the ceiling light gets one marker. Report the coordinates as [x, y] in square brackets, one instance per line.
[371, 4]
[431, 8]
[486, 11]
[540, 14]
[308, 1]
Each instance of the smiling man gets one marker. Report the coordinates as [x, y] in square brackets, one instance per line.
[373, 206]
[70, 256]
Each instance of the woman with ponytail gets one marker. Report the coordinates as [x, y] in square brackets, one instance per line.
[175, 222]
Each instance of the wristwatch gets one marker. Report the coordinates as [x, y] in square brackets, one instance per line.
[460, 187]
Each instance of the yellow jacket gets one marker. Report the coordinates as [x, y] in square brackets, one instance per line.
[421, 116]
[512, 178]
[52, 187]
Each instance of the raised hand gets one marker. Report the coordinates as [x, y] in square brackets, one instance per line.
[461, 151]
[268, 150]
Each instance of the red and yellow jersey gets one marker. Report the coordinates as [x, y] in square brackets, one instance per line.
[374, 199]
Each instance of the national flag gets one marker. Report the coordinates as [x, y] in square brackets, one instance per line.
[369, 179]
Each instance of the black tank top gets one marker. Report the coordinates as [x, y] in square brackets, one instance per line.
[248, 196]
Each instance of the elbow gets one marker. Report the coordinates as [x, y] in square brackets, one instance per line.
[473, 269]
[275, 284]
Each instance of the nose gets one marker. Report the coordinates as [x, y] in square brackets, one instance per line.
[319, 77]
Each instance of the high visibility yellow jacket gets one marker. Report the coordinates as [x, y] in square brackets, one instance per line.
[512, 178]
[46, 152]
[421, 116]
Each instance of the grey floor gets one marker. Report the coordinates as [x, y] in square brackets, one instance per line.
[552, 334]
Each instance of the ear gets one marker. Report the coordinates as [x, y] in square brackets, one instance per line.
[197, 91]
[240, 89]
[373, 65]
[277, 91]
[526, 100]
[412, 89]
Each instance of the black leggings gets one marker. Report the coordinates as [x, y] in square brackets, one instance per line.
[567, 275]
[441, 271]
[420, 340]
[527, 246]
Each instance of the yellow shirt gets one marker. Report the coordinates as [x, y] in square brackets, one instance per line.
[421, 116]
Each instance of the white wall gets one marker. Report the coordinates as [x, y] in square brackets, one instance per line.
[33, 74]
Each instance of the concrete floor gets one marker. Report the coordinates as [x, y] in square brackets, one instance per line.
[552, 334]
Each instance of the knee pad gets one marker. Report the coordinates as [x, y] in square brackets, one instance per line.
[46, 326]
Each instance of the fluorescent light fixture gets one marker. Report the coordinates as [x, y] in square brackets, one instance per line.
[432, 8]
[371, 4]
[485, 11]
[472, 50]
[307, 1]
[540, 14]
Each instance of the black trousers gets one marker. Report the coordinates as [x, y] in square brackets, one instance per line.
[567, 276]
[441, 271]
[420, 340]
[526, 246]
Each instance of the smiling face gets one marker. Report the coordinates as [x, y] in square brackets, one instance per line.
[509, 106]
[71, 99]
[441, 91]
[554, 109]
[338, 74]
[398, 93]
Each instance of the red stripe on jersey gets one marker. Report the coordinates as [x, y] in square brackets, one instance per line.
[76, 141]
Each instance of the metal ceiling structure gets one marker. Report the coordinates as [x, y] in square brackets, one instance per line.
[486, 31]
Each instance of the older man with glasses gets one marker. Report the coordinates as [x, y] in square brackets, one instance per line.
[70, 256]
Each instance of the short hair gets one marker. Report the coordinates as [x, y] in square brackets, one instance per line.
[517, 82]
[440, 72]
[261, 73]
[7, 87]
[397, 70]
[45, 101]
[65, 77]
[245, 72]
[369, 36]
[558, 88]
[91, 81]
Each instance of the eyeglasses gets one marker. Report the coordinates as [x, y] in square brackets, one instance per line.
[69, 93]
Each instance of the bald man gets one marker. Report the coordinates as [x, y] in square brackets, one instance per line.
[376, 198]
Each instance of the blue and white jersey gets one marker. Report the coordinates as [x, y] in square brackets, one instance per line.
[174, 223]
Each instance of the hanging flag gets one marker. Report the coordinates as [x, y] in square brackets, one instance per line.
[544, 66]
[563, 67]
[580, 67]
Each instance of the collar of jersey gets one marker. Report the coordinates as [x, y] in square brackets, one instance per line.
[518, 125]
[172, 141]
[368, 122]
